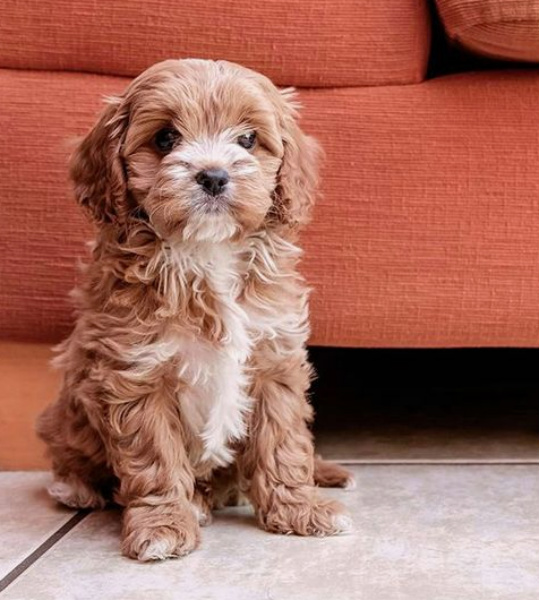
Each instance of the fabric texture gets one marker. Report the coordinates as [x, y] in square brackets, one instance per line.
[426, 234]
[506, 29]
[319, 43]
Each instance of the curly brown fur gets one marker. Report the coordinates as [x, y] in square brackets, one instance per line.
[186, 374]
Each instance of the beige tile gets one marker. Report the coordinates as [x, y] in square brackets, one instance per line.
[28, 516]
[422, 533]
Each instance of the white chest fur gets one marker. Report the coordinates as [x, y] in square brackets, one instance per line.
[213, 392]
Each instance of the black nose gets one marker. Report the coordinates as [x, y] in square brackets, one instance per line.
[213, 180]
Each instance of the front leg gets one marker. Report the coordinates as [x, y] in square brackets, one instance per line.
[277, 461]
[141, 428]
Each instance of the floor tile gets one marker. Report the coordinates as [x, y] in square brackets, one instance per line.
[440, 532]
[28, 516]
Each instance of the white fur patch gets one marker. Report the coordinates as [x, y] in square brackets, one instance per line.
[75, 494]
[343, 524]
[158, 549]
[350, 484]
[213, 400]
[204, 227]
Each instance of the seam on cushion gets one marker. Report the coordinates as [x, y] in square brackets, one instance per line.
[423, 48]
[486, 73]
[129, 78]
[70, 71]
[419, 69]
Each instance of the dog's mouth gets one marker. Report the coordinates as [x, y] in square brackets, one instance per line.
[214, 205]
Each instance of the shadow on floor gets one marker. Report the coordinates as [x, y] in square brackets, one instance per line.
[407, 395]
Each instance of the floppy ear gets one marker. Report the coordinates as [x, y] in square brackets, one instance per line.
[97, 169]
[298, 175]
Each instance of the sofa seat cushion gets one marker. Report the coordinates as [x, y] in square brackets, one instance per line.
[503, 29]
[426, 236]
[314, 43]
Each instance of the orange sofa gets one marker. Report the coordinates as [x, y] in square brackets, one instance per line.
[427, 234]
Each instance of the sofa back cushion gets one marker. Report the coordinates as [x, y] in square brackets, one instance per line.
[506, 29]
[313, 43]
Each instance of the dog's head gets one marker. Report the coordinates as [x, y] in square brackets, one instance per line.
[202, 150]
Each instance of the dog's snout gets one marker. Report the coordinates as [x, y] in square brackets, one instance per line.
[213, 181]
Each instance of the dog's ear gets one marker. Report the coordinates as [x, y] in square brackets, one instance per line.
[298, 175]
[97, 168]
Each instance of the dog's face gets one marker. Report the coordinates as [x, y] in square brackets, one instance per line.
[202, 150]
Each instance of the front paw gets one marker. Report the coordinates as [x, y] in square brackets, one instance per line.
[303, 512]
[159, 532]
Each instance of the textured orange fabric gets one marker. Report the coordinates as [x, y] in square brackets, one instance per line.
[314, 43]
[427, 234]
[507, 29]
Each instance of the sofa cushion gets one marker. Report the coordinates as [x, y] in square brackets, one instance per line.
[315, 43]
[506, 29]
[427, 234]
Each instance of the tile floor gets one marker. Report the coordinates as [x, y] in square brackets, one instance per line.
[422, 532]
[446, 508]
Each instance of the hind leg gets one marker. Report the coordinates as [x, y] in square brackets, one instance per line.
[330, 474]
[202, 503]
[226, 488]
[221, 490]
[81, 477]
[76, 492]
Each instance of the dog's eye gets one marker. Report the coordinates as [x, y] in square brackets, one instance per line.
[166, 138]
[247, 140]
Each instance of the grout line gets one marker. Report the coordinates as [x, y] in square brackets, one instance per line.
[434, 462]
[44, 547]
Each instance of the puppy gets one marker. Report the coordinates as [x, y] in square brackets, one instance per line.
[186, 374]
